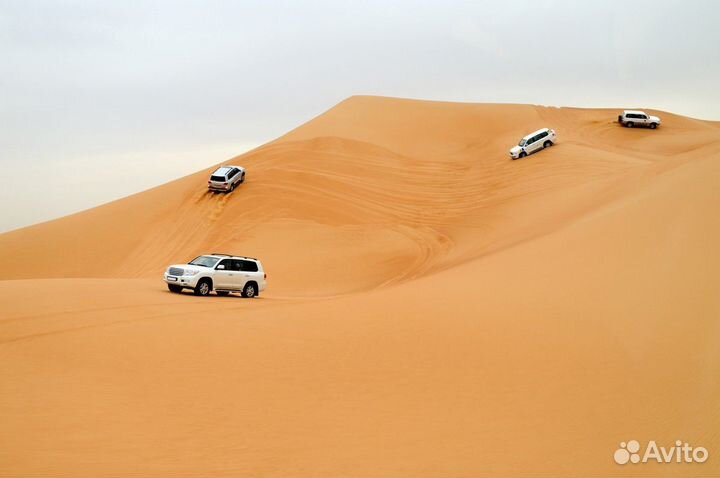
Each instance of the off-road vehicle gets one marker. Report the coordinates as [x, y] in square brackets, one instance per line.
[226, 178]
[540, 139]
[222, 273]
[631, 118]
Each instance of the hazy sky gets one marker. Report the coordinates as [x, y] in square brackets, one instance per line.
[99, 99]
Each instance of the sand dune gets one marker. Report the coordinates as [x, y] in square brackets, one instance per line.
[434, 309]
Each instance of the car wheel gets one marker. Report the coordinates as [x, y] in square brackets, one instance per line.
[222, 293]
[203, 288]
[629, 124]
[547, 144]
[653, 125]
[250, 290]
[242, 179]
[174, 288]
[522, 154]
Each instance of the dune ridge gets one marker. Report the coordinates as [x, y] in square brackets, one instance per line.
[434, 308]
[429, 181]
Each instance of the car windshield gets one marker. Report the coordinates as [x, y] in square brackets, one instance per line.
[204, 261]
[522, 142]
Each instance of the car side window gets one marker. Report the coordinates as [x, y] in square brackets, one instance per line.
[225, 262]
[236, 265]
[249, 266]
[232, 173]
[643, 116]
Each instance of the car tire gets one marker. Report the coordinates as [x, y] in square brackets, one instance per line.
[547, 144]
[522, 154]
[203, 288]
[653, 125]
[629, 124]
[250, 290]
[174, 288]
[222, 293]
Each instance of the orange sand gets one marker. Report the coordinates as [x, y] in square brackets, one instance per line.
[434, 308]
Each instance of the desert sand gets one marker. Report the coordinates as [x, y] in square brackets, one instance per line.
[434, 308]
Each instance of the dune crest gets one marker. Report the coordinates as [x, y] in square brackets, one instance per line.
[375, 191]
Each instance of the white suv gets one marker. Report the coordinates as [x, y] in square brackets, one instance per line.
[222, 273]
[226, 178]
[630, 118]
[540, 139]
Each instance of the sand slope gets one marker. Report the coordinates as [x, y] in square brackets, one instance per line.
[434, 308]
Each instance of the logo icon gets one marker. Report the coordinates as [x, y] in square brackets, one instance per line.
[627, 452]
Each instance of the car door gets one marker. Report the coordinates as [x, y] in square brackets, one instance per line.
[234, 176]
[237, 280]
[250, 272]
[222, 278]
[540, 140]
[532, 144]
[643, 119]
[529, 145]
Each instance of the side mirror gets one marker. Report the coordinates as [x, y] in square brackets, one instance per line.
[221, 267]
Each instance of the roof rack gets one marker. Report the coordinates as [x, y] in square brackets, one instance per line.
[231, 255]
